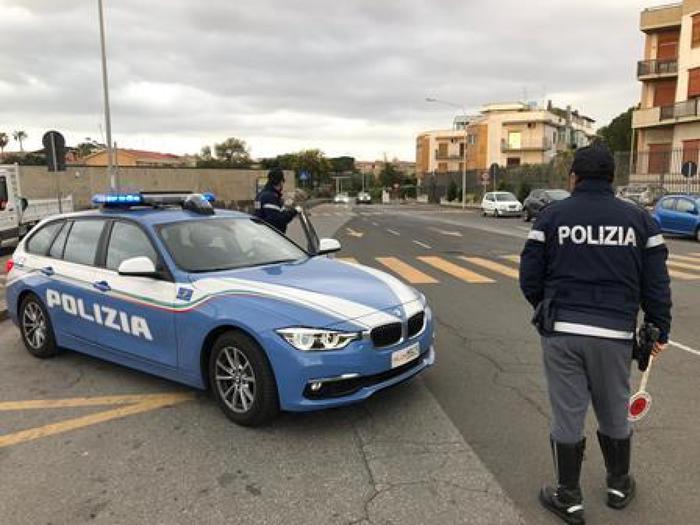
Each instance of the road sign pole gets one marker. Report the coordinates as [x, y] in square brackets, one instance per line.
[113, 177]
[58, 173]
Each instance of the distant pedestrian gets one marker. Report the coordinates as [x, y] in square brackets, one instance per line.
[269, 205]
[590, 262]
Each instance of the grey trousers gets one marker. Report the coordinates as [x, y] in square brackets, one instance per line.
[582, 369]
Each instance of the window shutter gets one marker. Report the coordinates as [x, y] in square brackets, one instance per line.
[694, 83]
[696, 31]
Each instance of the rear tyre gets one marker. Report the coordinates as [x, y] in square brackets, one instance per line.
[36, 329]
[242, 380]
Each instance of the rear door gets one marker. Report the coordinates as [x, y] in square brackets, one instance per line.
[666, 213]
[686, 216]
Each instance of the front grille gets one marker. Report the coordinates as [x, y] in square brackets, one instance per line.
[346, 387]
[386, 335]
[415, 324]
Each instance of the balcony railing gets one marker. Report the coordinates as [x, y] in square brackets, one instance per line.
[688, 108]
[448, 156]
[542, 143]
[657, 68]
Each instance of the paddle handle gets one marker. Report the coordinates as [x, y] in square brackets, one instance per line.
[645, 375]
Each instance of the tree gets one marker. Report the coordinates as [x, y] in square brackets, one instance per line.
[4, 141]
[314, 162]
[389, 175]
[618, 134]
[233, 152]
[88, 147]
[19, 136]
[205, 153]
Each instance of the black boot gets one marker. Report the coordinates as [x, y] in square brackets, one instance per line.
[621, 485]
[566, 500]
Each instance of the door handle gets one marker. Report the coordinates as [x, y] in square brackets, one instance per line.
[102, 286]
[48, 271]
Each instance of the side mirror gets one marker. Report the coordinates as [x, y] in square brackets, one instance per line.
[326, 246]
[23, 203]
[138, 267]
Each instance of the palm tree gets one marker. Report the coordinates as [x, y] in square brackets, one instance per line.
[19, 136]
[4, 140]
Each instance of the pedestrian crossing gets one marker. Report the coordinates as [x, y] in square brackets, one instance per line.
[481, 270]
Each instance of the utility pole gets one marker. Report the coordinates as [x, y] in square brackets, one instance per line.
[113, 177]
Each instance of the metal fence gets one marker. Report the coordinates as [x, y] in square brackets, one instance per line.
[664, 168]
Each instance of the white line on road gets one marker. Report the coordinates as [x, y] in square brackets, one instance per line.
[423, 245]
[375, 223]
[394, 232]
[683, 347]
[524, 228]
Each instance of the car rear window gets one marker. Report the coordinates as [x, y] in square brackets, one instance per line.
[84, 237]
[39, 243]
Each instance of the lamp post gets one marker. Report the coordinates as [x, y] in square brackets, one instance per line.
[113, 177]
[466, 140]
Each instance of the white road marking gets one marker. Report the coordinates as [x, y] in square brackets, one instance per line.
[422, 245]
[375, 223]
[523, 228]
[448, 233]
[354, 233]
[394, 232]
[683, 347]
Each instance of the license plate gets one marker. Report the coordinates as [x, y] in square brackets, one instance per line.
[401, 357]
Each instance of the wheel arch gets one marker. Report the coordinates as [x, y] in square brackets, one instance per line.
[208, 343]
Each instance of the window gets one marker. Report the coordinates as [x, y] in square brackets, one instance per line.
[3, 193]
[695, 42]
[694, 82]
[685, 206]
[667, 45]
[41, 240]
[442, 167]
[226, 244]
[81, 246]
[659, 158]
[513, 161]
[128, 241]
[665, 93]
[669, 204]
[59, 242]
[514, 139]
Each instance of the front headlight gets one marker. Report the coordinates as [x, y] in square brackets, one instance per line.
[313, 339]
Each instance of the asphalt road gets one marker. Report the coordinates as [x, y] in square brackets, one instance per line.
[489, 378]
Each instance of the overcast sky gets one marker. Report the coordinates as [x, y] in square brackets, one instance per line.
[349, 77]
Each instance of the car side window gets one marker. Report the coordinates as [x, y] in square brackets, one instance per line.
[83, 240]
[128, 241]
[40, 242]
[685, 206]
[669, 204]
[59, 242]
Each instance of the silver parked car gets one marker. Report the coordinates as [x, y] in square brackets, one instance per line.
[644, 194]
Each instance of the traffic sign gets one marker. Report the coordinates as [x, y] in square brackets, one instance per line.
[485, 178]
[689, 169]
[55, 148]
[304, 176]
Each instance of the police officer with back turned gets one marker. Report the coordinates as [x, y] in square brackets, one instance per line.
[268, 203]
[589, 263]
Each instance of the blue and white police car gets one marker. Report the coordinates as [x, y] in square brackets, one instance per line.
[216, 299]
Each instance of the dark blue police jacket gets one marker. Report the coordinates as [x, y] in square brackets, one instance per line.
[270, 208]
[599, 259]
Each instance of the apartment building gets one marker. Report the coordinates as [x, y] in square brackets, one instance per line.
[134, 157]
[666, 127]
[507, 134]
[375, 167]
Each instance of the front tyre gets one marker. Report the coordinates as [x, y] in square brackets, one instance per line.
[242, 380]
[35, 325]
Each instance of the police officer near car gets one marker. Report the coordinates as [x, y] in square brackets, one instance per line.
[269, 205]
[589, 263]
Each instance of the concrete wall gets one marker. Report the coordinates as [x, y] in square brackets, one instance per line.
[237, 186]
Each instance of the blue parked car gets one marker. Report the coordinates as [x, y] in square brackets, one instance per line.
[216, 299]
[679, 214]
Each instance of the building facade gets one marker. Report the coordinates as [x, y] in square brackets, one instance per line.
[138, 158]
[375, 167]
[666, 126]
[508, 134]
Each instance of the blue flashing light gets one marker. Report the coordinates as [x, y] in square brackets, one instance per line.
[117, 199]
[209, 197]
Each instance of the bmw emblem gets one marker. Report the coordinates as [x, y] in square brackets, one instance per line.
[397, 312]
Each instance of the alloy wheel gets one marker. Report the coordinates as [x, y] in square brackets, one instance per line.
[34, 325]
[235, 379]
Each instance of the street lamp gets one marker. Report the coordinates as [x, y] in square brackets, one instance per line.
[466, 141]
[113, 178]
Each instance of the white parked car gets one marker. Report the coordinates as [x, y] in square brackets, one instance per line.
[501, 204]
[341, 198]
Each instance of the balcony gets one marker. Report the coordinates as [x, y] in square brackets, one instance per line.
[686, 111]
[651, 69]
[448, 156]
[661, 17]
[539, 144]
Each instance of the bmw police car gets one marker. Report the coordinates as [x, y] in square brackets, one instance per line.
[216, 299]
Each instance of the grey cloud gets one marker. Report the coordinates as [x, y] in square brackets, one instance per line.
[233, 67]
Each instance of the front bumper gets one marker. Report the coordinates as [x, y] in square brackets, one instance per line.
[510, 213]
[348, 376]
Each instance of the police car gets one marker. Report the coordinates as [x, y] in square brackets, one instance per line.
[216, 299]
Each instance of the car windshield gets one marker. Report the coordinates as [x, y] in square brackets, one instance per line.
[557, 195]
[225, 244]
[505, 197]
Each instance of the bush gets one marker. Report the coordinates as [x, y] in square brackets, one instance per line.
[452, 191]
[524, 190]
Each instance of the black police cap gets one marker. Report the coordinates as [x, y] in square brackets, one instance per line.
[594, 162]
[275, 176]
